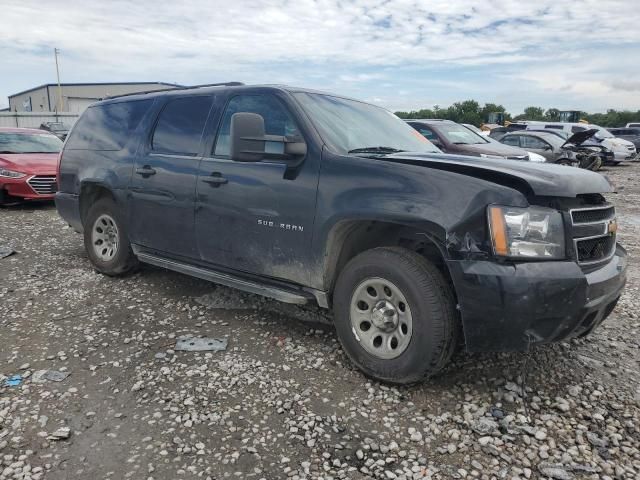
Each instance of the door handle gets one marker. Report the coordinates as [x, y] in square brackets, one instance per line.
[146, 171]
[215, 179]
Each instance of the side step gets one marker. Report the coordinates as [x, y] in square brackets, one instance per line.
[283, 295]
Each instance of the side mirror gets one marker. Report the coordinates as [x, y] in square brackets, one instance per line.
[248, 140]
[247, 137]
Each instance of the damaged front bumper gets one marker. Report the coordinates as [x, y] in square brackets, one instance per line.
[507, 307]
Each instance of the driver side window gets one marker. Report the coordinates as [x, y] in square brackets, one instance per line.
[533, 143]
[277, 121]
[512, 140]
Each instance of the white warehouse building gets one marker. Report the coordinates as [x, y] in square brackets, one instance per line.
[76, 97]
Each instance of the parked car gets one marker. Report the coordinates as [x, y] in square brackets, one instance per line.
[59, 129]
[622, 149]
[309, 197]
[451, 137]
[475, 129]
[532, 157]
[28, 161]
[630, 134]
[633, 125]
[607, 156]
[555, 149]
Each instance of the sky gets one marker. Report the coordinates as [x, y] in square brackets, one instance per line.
[400, 54]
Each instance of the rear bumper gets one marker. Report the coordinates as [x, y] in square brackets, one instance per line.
[507, 307]
[68, 206]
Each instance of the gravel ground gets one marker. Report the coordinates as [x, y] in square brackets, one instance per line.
[283, 400]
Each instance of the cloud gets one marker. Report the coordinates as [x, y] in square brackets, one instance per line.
[352, 47]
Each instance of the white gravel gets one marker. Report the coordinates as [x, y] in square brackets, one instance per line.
[282, 401]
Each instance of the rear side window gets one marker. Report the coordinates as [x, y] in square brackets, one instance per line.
[107, 127]
[180, 125]
[575, 129]
[555, 127]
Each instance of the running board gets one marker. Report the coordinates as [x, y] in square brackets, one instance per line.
[226, 279]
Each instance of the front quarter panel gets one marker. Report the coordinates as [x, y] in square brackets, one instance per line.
[449, 207]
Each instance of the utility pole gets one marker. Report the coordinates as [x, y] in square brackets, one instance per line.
[56, 51]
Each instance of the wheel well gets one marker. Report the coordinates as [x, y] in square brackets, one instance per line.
[353, 238]
[90, 194]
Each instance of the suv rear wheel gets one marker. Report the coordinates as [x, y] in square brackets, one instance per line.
[106, 239]
[395, 315]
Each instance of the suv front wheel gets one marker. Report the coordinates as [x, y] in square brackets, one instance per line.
[395, 315]
[106, 240]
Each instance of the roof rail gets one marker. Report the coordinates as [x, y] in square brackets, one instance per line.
[177, 87]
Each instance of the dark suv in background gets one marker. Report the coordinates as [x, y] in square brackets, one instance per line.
[451, 137]
[309, 197]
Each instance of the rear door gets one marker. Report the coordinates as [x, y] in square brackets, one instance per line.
[163, 184]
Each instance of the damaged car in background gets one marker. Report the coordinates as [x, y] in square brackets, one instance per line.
[309, 197]
[573, 151]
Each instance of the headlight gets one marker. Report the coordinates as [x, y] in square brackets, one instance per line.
[484, 155]
[11, 173]
[533, 232]
[535, 157]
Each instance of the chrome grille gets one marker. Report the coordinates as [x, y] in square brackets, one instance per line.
[43, 184]
[593, 215]
[593, 234]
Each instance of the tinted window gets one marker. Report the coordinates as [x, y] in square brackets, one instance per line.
[532, 142]
[107, 127]
[575, 129]
[511, 140]
[555, 127]
[180, 125]
[425, 131]
[277, 121]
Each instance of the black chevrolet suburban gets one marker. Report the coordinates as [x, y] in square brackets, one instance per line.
[305, 196]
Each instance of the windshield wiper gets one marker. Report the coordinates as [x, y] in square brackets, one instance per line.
[375, 150]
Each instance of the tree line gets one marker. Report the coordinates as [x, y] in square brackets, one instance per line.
[471, 112]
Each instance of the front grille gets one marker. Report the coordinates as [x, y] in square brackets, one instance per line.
[43, 184]
[595, 249]
[593, 215]
[594, 234]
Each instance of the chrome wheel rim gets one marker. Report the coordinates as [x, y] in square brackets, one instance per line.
[381, 319]
[104, 237]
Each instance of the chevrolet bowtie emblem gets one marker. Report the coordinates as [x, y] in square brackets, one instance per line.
[612, 227]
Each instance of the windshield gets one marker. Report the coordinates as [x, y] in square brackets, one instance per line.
[458, 134]
[29, 143]
[348, 125]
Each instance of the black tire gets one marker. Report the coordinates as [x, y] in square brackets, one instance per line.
[435, 324]
[123, 260]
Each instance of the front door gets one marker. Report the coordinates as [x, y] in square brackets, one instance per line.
[257, 217]
[163, 184]
[537, 145]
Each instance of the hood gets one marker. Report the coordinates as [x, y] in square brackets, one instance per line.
[493, 148]
[541, 179]
[581, 137]
[30, 163]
